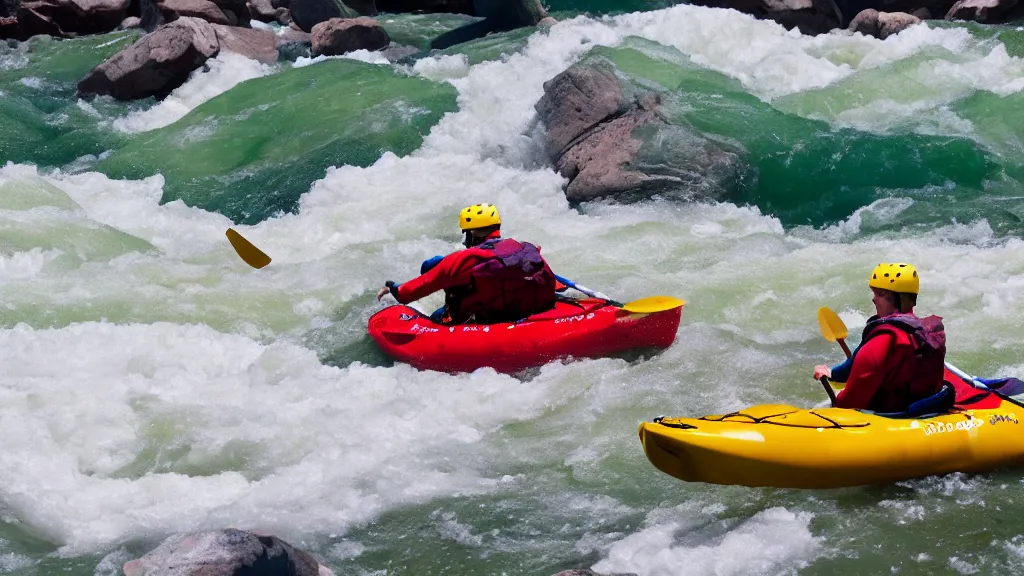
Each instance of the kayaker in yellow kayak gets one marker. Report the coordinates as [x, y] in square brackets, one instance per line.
[492, 280]
[900, 358]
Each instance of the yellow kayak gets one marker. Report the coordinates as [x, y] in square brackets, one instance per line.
[788, 447]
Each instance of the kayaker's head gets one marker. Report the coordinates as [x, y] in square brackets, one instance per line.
[895, 287]
[479, 222]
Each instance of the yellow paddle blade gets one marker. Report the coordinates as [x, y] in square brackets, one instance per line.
[252, 255]
[832, 326]
[653, 304]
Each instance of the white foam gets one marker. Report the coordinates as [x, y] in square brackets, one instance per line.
[441, 68]
[449, 528]
[12, 59]
[963, 566]
[765, 543]
[905, 511]
[268, 436]
[23, 265]
[361, 55]
[32, 82]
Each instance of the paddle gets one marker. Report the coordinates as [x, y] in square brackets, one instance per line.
[833, 329]
[256, 258]
[828, 390]
[647, 305]
[252, 255]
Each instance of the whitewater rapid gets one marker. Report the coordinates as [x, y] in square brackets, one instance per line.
[153, 383]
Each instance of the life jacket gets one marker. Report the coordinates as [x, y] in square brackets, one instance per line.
[513, 284]
[923, 343]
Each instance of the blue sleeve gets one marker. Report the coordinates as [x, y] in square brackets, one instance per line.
[430, 263]
[841, 372]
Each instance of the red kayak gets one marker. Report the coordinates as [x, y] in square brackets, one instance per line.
[587, 328]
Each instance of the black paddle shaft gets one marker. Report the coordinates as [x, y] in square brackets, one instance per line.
[828, 390]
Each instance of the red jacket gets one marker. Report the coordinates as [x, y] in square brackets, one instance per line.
[890, 371]
[469, 296]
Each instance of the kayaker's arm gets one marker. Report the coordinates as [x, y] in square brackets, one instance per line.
[841, 372]
[866, 374]
[429, 264]
[445, 274]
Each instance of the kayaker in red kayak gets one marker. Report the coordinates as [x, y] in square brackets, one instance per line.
[900, 357]
[492, 280]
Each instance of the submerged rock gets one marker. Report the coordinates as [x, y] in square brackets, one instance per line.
[399, 52]
[227, 552]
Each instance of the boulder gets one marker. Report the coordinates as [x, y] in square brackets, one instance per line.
[9, 28]
[262, 10]
[259, 45]
[226, 12]
[574, 102]
[228, 552]
[71, 17]
[156, 64]
[162, 60]
[202, 9]
[339, 36]
[309, 13]
[510, 14]
[881, 24]
[809, 16]
[608, 144]
[237, 12]
[986, 11]
[499, 16]
[150, 15]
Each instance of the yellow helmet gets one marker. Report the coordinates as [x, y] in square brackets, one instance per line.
[896, 276]
[479, 216]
